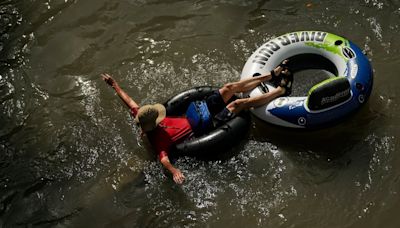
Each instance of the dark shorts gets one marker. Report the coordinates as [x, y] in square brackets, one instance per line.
[217, 108]
[215, 103]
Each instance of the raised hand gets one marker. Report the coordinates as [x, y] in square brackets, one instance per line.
[109, 80]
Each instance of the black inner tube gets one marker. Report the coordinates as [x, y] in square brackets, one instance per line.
[214, 142]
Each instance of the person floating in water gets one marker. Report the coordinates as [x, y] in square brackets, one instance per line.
[164, 131]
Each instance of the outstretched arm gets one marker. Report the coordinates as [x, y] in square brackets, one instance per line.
[121, 93]
[176, 173]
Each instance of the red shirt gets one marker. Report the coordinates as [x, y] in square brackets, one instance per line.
[170, 131]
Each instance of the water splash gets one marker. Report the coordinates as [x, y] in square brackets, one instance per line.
[376, 27]
[251, 183]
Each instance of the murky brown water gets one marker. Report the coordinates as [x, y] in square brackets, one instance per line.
[71, 157]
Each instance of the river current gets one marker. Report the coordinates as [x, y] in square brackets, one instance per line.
[71, 156]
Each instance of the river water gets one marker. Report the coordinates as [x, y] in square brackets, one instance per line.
[70, 155]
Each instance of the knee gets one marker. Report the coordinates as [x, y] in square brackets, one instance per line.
[237, 105]
[231, 87]
[227, 91]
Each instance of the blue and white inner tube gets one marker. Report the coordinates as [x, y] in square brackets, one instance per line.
[327, 102]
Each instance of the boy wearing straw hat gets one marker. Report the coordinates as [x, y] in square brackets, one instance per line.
[163, 131]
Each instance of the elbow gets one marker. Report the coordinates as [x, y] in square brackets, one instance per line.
[164, 160]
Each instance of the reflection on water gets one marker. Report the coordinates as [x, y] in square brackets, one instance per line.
[71, 156]
[250, 184]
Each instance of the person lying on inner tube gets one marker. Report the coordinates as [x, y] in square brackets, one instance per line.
[163, 132]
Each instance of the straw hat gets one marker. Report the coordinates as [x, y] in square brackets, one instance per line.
[149, 116]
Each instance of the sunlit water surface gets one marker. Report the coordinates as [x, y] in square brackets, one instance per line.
[70, 155]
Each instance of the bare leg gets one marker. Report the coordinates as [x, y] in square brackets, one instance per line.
[228, 90]
[238, 105]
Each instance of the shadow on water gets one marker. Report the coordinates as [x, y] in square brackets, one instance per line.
[327, 144]
[320, 157]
